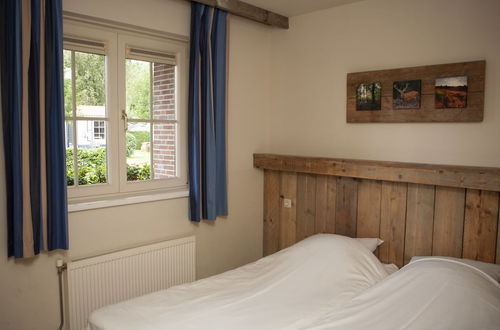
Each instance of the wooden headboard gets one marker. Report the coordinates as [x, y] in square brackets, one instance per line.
[417, 209]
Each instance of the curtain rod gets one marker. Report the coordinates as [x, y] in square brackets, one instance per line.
[243, 9]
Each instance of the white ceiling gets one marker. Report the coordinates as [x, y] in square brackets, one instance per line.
[297, 7]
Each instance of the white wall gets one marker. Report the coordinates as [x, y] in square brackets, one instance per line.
[28, 288]
[311, 60]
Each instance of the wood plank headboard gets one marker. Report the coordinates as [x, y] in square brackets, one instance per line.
[417, 209]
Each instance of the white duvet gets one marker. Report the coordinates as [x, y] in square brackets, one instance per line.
[323, 282]
[426, 294]
[284, 290]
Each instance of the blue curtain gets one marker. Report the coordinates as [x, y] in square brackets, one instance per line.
[207, 113]
[31, 49]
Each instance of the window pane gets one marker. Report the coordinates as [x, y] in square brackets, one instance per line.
[91, 155]
[138, 80]
[99, 130]
[68, 87]
[70, 168]
[164, 148]
[138, 151]
[163, 91]
[90, 85]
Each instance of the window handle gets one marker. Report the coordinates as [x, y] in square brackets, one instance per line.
[125, 120]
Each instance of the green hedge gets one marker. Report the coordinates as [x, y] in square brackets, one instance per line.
[92, 167]
[137, 172]
[140, 138]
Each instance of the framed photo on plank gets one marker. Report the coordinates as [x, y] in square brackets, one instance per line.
[369, 96]
[406, 94]
[451, 92]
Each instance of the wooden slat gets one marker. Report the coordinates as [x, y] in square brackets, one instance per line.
[484, 178]
[498, 238]
[480, 227]
[419, 221]
[321, 204]
[288, 215]
[369, 198]
[346, 207]
[448, 222]
[331, 204]
[392, 222]
[249, 11]
[306, 205]
[272, 204]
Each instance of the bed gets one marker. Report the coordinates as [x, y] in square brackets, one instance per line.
[325, 281]
[316, 275]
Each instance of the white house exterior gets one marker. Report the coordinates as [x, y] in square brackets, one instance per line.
[89, 133]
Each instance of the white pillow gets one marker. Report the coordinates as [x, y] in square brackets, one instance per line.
[490, 269]
[370, 243]
[346, 253]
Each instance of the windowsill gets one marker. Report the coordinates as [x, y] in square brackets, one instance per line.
[79, 205]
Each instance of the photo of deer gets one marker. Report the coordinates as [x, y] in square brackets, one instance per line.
[369, 96]
[451, 92]
[406, 94]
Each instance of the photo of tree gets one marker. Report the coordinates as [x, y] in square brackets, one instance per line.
[369, 96]
[451, 92]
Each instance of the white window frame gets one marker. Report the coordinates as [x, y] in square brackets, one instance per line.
[116, 39]
[126, 41]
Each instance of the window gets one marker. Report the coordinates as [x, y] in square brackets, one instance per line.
[99, 130]
[151, 118]
[124, 95]
[84, 102]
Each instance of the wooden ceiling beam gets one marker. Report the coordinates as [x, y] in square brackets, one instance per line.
[243, 9]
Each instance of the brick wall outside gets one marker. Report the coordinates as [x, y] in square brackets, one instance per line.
[163, 108]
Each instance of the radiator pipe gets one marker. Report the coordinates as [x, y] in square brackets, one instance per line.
[61, 267]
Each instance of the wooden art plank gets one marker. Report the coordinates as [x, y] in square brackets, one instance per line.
[272, 205]
[288, 216]
[448, 222]
[392, 222]
[483, 178]
[306, 205]
[321, 204]
[331, 204]
[419, 221]
[473, 111]
[480, 227]
[346, 207]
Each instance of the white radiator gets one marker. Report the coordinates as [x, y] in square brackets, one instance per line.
[107, 279]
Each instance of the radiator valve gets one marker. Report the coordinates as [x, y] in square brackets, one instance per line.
[61, 266]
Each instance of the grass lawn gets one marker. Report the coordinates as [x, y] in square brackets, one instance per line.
[139, 157]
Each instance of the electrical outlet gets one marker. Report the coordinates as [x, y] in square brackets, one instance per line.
[287, 203]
